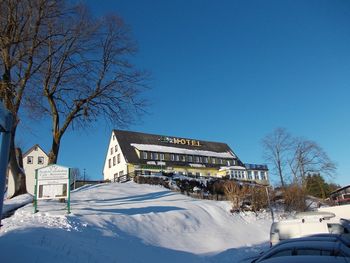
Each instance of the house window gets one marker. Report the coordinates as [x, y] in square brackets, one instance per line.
[113, 137]
[121, 173]
[112, 150]
[113, 160]
[177, 157]
[30, 160]
[196, 159]
[183, 158]
[161, 156]
[200, 159]
[116, 148]
[118, 158]
[206, 159]
[172, 157]
[213, 160]
[262, 175]
[190, 158]
[144, 155]
[116, 177]
[109, 163]
[221, 161]
[198, 174]
[228, 163]
[35, 148]
[40, 160]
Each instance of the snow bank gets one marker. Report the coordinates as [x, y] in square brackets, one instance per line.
[132, 223]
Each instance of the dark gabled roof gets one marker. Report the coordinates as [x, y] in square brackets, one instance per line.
[126, 138]
[32, 148]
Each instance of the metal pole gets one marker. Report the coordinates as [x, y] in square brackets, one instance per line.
[68, 189]
[6, 121]
[268, 200]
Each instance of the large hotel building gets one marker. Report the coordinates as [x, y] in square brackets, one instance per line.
[133, 153]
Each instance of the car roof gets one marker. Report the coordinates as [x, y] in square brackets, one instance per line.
[324, 238]
[317, 245]
[307, 259]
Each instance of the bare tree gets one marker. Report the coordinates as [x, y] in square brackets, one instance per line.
[235, 192]
[23, 29]
[90, 77]
[309, 157]
[277, 146]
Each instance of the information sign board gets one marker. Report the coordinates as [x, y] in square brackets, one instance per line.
[52, 182]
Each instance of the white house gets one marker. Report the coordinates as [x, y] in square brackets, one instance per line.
[33, 159]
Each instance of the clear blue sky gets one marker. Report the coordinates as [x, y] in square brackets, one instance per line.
[231, 71]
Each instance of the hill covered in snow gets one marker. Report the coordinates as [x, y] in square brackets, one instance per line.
[131, 223]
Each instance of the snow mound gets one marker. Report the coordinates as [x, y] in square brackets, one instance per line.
[132, 223]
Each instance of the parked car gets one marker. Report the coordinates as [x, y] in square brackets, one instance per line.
[306, 247]
[307, 259]
[308, 224]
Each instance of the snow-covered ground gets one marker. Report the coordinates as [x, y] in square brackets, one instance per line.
[131, 223]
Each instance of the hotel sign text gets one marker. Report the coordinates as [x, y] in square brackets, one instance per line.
[180, 141]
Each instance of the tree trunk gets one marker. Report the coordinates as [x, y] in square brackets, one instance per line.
[55, 147]
[280, 173]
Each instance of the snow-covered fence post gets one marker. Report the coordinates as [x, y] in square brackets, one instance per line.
[6, 120]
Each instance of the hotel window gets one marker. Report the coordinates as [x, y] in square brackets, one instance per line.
[177, 157]
[109, 163]
[116, 148]
[213, 160]
[144, 155]
[256, 175]
[112, 150]
[40, 160]
[118, 158]
[155, 156]
[161, 156]
[190, 158]
[172, 157]
[250, 175]
[30, 160]
[206, 159]
[113, 160]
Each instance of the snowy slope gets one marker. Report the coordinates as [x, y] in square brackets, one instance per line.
[131, 223]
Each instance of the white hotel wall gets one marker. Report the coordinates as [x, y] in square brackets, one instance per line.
[109, 172]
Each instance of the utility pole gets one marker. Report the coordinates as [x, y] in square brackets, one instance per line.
[84, 175]
[6, 120]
